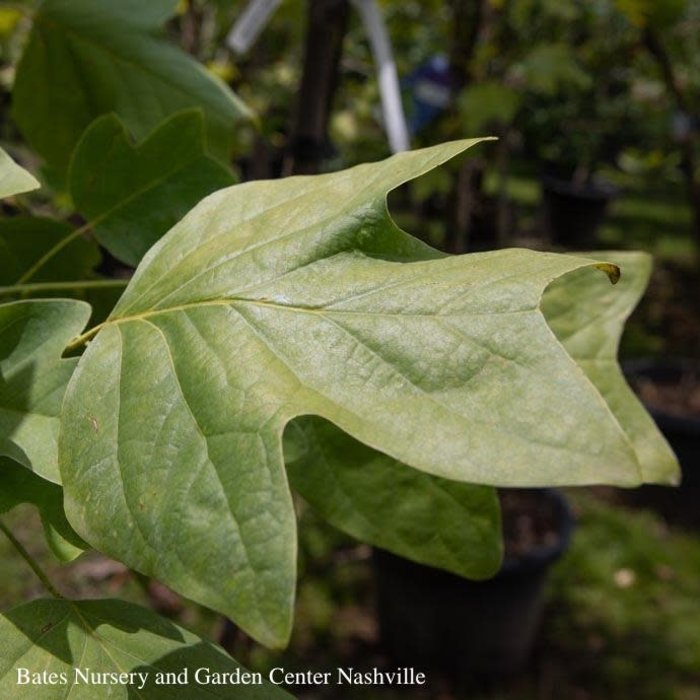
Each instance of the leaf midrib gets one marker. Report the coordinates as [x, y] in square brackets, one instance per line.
[320, 309]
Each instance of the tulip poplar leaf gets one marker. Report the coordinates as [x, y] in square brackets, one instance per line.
[588, 316]
[434, 521]
[86, 58]
[111, 638]
[277, 299]
[20, 485]
[132, 194]
[33, 378]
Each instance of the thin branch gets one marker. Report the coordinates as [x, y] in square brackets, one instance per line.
[52, 252]
[34, 287]
[31, 561]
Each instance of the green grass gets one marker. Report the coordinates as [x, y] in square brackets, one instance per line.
[627, 598]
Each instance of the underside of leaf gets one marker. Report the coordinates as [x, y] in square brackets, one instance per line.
[273, 300]
[588, 317]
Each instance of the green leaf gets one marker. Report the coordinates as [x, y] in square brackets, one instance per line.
[133, 194]
[446, 524]
[486, 104]
[588, 316]
[13, 178]
[86, 58]
[112, 637]
[33, 378]
[549, 68]
[25, 240]
[19, 485]
[658, 14]
[276, 299]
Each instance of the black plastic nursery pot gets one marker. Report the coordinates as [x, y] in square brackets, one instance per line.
[431, 619]
[573, 212]
[657, 382]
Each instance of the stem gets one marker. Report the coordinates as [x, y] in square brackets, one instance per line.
[59, 286]
[31, 561]
[80, 340]
[51, 252]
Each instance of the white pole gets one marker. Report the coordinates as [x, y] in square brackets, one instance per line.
[249, 25]
[392, 107]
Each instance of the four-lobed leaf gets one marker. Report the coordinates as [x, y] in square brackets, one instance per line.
[14, 179]
[112, 637]
[33, 378]
[86, 58]
[378, 500]
[272, 300]
[132, 194]
[588, 317]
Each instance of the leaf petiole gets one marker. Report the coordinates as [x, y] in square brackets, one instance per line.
[31, 561]
[67, 240]
[82, 339]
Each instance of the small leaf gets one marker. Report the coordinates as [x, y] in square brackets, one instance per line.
[33, 378]
[19, 485]
[86, 58]
[133, 194]
[25, 240]
[446, 524]
[588, 316]
[111, 637]
[13, 178]
[272, 300]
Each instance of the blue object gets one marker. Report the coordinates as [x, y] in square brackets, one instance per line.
[430, 92]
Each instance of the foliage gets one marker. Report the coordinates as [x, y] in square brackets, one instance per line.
[85, 58]
[34, 377]
[275, 334]
[20, 485]
[133, 194]
[113, 637]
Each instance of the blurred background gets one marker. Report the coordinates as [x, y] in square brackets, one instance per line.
[596, 106]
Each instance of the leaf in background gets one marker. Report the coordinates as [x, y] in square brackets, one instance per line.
[300, 296]
[446, 524]
[133, 194]
[111, 636]
[33, 378]
[14, 179]
[24, 240]
[588, 316]
[658, 14]
[19, 485]
[550, 68]
[86, 58]
[487, 104]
